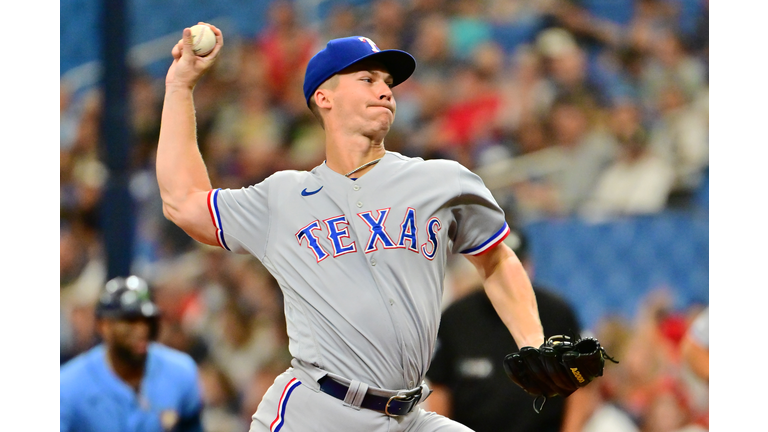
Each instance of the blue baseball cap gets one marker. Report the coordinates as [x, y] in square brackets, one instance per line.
[344, 52]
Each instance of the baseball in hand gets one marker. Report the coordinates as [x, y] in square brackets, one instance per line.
[203, 39]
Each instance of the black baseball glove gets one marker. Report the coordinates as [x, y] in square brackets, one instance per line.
[558, 367]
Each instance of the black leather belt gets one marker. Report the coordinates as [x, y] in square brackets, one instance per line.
[391, 406]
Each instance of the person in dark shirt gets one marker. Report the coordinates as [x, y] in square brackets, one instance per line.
[467, 375]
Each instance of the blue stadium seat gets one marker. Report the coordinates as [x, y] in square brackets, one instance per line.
[509, 36]
[616, 264]
[617, 11]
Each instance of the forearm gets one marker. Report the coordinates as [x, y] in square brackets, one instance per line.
[181, 171]
[511, 293]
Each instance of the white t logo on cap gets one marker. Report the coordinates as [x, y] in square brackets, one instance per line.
[371, 43]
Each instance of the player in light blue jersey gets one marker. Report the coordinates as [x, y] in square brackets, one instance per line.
[129, 383]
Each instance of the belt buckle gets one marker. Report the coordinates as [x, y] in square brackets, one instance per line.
[398, 397]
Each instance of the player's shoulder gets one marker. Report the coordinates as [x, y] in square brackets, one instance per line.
[441, 168]
[281, 178]
[275, 183]
[421, 162]
[74, 372]
[289, 175]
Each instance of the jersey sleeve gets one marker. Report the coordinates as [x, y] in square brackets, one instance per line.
[241, 218]
[480, 222]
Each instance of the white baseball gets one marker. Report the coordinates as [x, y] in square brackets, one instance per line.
[203, 39]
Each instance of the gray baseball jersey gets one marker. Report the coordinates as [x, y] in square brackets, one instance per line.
[361, 263]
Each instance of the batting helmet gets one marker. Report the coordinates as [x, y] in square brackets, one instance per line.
[128, 298]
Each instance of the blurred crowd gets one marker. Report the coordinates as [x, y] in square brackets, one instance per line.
[657, 386]
[562, 111]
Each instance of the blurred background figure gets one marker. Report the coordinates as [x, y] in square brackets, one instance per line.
[637, 181]
[679, 136]
[286, 45]
[694, 349]
[582, 151]
[220, 401]
[82, 273]
[695, 346]
[468, 381]
[129, 382]
[566, 68]
[647, 390]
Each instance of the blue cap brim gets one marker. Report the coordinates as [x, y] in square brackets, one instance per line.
[399, 64]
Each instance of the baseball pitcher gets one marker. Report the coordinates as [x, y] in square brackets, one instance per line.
[358, 244]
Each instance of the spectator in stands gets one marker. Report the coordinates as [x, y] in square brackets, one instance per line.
[81, 180]
[82, 274]
[590, 30]
[287, 45]
[671, 65]
[386, 25]
[680, 135]
[469, 27]
[638, 181]
[603, 412]
[243, 343]
[468, 122]
[531, 136]
[146, 103]
[466, 374]
[646, 385]
[432, 46]
[248, 134]
[581, 152]
[425, 98]
[342, 21]
[82, 173]
[669, 412]
[695, 346]
[419, 10]
[69, 117]
[525, 92]
[626, 79]
[694, 351]
[566, 69]
[220, 401]
[649, 17]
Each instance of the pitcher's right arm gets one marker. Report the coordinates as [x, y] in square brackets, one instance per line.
[181, 172]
